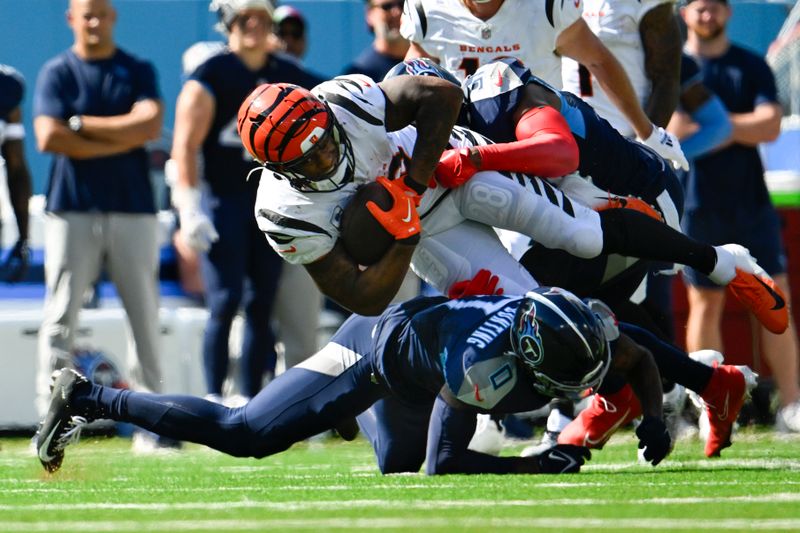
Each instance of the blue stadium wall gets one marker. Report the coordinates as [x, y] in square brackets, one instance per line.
[31, 31]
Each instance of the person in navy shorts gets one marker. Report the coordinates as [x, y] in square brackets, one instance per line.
[726, 195]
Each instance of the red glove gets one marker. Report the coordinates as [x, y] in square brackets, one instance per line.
[402, 220]
[630, 202]
[455, 168]
[484, 283]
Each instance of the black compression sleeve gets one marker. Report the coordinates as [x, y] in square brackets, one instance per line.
[634, 234]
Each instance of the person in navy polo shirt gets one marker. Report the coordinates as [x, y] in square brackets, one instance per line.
[95, 107]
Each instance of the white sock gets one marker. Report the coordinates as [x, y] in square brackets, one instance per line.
[725, 268]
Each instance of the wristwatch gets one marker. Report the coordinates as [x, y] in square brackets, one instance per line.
[75, 123]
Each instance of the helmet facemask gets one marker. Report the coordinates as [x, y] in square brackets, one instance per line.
[579, 354]
[340, 174]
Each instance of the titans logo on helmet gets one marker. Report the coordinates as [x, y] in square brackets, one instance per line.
[529, 338]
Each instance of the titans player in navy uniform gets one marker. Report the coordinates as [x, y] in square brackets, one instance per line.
[12, 88]
[490, 354]
[220, 224]
[551, 133]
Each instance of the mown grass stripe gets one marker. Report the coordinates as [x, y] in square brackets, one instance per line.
[775, 498]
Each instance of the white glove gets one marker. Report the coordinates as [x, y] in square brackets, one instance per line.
[667, 146]
[197, 230]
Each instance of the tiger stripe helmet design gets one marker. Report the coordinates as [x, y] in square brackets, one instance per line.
[281, 124]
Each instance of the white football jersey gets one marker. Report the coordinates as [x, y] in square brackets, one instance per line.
[616, 24]
[303, 226]
[525, 29]
[457, 238]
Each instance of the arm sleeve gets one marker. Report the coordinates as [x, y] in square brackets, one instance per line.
[715, 128]
[545, 147]
[449, 433]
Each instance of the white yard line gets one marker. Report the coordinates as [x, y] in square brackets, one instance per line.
[406, 523]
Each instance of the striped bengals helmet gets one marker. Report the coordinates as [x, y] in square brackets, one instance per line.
[281, 124]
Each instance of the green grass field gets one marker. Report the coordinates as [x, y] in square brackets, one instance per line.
[332, 485]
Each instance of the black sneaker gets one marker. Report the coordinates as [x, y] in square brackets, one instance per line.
[61, 425]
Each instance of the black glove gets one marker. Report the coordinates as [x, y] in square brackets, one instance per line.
[654, 439]
[15, 265]
[562, 459]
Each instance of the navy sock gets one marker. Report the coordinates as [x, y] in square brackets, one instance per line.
[673, 363]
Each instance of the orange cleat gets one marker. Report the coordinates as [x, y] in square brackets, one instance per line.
[630, 202]
[757, 291]
[723, 397]
[604, 416]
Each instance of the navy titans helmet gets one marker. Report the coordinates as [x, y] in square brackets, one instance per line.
[560, 342]
[421, 66]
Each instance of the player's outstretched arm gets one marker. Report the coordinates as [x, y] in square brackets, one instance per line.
[451, 427]
[432, 104]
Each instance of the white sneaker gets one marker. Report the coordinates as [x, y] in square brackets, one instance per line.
[674, 401]
[787, 420]
[555, 423]
[489, 437]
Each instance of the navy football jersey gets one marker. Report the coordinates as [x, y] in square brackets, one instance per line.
[226, 162]
[12, 87]
[428, 342]
[614, 162]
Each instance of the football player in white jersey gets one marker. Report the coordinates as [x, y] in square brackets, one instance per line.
[318, 148]
[644, 36]
[465, 34]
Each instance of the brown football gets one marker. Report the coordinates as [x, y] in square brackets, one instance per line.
[364, 239]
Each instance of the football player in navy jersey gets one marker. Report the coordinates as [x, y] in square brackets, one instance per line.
[12, 133]
[490, 354]
[551, 133]
[215, 200]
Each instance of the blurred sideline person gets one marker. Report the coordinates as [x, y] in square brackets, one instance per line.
[491, 354]
[727, 198]
[289, 27]
[215, 199]
[701, 115]
[18, 179]
[388, 45]
[95, 108]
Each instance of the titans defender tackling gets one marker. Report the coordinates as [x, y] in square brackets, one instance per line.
[488, 354]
